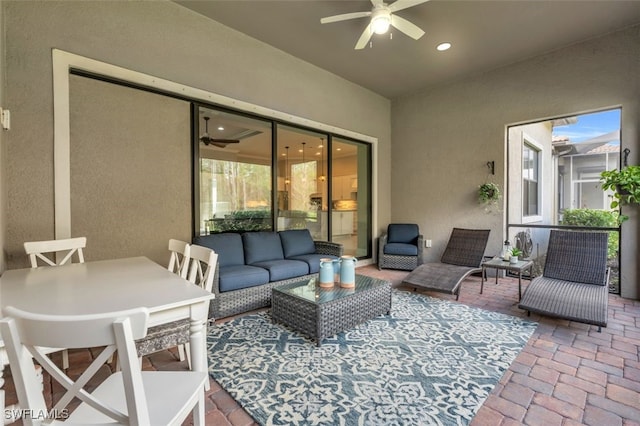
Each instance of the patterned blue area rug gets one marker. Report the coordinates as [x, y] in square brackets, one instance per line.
[431, 362]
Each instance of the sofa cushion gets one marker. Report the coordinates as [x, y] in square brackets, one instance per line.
[261, 247]
[236, 277]
[296, 242]
[406, 233]
[401, 249]
[313, 260]
[227, 245]
[283, 269]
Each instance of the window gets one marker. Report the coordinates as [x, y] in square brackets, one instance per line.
[234, 180]
[530, 173]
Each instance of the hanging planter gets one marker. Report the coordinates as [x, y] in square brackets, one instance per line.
[626, 186]
[489, 193]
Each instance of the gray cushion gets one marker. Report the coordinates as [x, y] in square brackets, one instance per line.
[236, 277]
[261, 247]
[283, 269]
[296, 242]
[227, 245]
[401, 249]
[313, 260]
[402, 233]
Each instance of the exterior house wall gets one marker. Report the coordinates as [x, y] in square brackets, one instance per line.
[164, 40]
[3, 145]
[444, 136]
[539, 136]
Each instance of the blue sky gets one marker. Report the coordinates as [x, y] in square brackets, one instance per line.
[590, 126]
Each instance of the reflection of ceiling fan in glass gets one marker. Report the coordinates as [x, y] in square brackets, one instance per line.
[208, 140]
[381, 18]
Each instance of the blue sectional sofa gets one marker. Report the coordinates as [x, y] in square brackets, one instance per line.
[252, 263]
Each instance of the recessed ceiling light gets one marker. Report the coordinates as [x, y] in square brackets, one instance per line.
[443, 46]
[220, 128]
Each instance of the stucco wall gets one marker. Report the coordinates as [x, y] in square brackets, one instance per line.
[443, 137]
[3, 149]
[168, 41]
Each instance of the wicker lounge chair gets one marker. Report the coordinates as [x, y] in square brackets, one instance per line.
[461, 258]
[400, 247]
[575, 281]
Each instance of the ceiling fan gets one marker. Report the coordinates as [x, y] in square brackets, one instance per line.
[382, 16]
[208, 140]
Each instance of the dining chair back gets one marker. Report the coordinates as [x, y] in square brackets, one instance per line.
[37, 250]
[179, 259]
[69, 246]
[203, 266]
[130, 396]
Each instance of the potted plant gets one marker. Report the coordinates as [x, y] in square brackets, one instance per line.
[488, 193]
[625, 184]
[515, 255]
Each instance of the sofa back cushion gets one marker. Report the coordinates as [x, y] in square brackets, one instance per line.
[261, 246]
[227, 245]
[406, 233]
[296, 242]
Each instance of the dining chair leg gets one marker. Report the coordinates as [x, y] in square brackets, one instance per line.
[65, 359]
[181, 353]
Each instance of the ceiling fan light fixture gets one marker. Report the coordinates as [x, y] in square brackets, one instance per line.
[380, 22]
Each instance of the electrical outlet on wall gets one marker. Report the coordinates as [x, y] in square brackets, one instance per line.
[5, 118]
[427, 243]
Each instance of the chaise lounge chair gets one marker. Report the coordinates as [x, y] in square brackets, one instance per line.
[461, 258]
[575, 281]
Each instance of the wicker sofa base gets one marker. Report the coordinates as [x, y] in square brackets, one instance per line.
[236, 302]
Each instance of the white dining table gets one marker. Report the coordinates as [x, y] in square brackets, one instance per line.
[108, 286]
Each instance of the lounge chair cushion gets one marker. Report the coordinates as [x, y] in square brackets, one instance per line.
[283, 269]
[296, 242]
[406, 233]
[313, 260]
[261, 247]
[227, 245]
[401, 249]
[236, 277]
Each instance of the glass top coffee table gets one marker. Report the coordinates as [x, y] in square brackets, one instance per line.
[319, 312]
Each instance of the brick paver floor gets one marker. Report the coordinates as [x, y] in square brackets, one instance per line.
[567, 374]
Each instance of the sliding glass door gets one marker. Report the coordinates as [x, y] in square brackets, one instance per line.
[253, 174]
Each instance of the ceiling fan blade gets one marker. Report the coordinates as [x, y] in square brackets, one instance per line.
[403, 4]
[377, 3]
[406, 27]
[344, 17]
[364, 38]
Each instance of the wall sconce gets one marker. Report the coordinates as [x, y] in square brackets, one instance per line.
[626, 155]
[491, 165]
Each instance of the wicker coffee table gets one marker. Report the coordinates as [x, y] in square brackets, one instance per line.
[320, 313]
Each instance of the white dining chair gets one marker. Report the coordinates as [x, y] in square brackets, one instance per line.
[201, 272]
[129, 396]
[202, 266]
[38, 250]
[56, 253]
[179, 259]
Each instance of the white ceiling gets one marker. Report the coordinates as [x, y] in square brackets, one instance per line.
[485, 35]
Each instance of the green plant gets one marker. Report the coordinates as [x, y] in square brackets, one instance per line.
[489, 193]
[625, 184]
[595, 218]
[516, 252]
